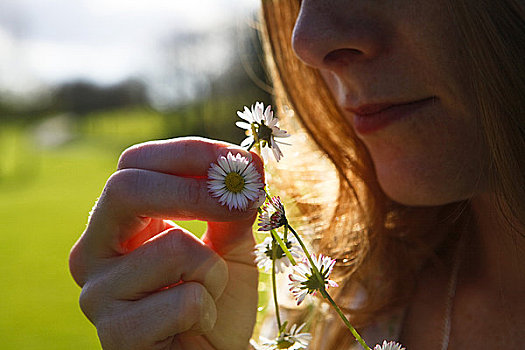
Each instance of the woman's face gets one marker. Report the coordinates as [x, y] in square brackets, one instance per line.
[394, 69]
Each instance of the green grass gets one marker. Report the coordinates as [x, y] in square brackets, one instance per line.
[45, 197]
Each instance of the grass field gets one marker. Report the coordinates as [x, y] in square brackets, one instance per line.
[45, 197]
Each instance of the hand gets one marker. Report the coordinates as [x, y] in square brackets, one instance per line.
[149, 284]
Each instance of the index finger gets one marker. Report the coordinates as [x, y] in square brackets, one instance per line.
[186, 156]
[146, 187]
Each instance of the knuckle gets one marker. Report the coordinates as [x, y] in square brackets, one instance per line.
[179, 245]
[132, 156]
[177, 242]
[195, 297]
[184, 247]
[85, 302]
[95, 298]
[117, 328]
[190, 192]
[190, 260]
[110, 333]
[76, 266]
[207, 267]
[122, 185]
[90, 298]
[174, 248]
[120, 330]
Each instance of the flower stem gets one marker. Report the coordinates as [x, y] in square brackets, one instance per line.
[274, 289]
[268, 195]
[283, 247]
[325, 293]
[345, 320]
[307, 253]
[255, 135]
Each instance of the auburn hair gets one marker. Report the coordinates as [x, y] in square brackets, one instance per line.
[381, 245]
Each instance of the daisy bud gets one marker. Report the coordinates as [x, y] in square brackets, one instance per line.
[389, 346]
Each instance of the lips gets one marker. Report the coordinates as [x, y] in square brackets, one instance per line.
[373, 117]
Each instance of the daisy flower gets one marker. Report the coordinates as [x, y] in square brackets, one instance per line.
[235, 181]
[265, 126]
[273, 215]
[389, 346]
[293, 340]
[303, 281]
[251, 115]
[264, 254]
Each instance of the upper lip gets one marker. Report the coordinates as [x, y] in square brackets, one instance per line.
[373, 108]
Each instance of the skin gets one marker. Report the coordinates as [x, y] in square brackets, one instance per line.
[402, 51]
[394, 51]
[130, 259]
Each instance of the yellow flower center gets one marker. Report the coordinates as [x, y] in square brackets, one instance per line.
[234, 182]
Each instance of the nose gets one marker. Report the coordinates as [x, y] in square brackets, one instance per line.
[330, 34]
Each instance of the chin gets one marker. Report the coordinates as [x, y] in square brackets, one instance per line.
[419, 193]
[412, 198]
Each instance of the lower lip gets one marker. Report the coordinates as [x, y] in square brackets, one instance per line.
[367, 124]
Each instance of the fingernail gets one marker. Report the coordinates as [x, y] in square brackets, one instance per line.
[216, 278]
[208, 315]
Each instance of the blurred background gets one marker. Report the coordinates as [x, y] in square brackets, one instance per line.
[81, 80]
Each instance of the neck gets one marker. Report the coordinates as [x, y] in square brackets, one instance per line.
[496, 255]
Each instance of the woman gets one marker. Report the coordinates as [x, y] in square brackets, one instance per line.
[447, 157]
[419, 106]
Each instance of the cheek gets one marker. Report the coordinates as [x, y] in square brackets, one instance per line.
[428, 162]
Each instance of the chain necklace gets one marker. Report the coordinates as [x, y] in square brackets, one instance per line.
[451, 291]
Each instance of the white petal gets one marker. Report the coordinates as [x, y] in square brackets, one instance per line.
[268, 114]
[242, 202]
[224, 164]
[218, 169]
[246, 115]
[216, 176]
[276, 152]
[272, 122]
[247, 142]
[244, 125]
[279, 133]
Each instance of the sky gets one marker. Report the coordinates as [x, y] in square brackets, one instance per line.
[44, 42]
